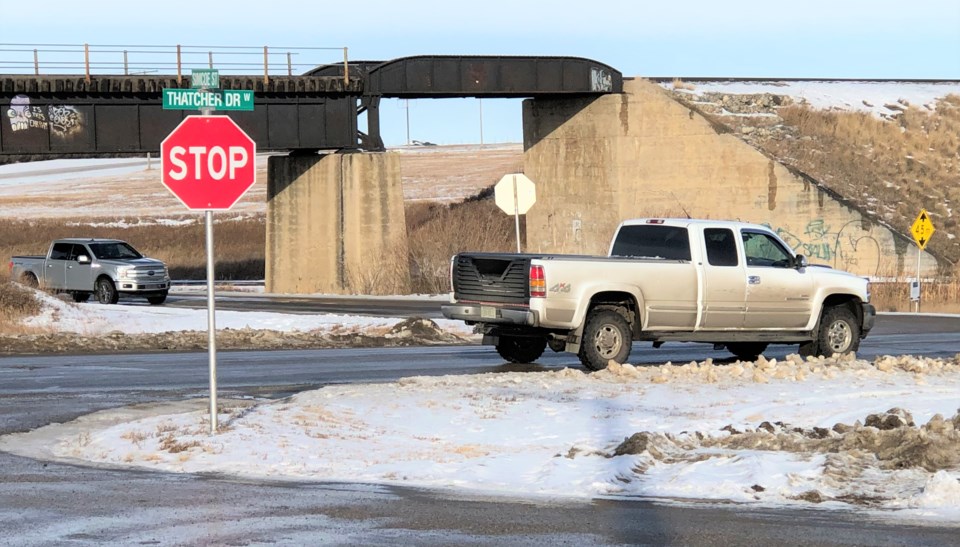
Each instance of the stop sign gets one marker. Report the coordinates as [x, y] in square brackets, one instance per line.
[515, 193]
[208, 162]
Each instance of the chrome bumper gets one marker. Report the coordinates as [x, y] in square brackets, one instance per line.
[476, 313]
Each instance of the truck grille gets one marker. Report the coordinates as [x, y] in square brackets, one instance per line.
[147, 274]
[500, 279]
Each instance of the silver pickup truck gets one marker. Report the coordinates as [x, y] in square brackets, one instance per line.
[107, 268]
[737, 286]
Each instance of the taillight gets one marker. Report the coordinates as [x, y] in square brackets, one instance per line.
[538, 284]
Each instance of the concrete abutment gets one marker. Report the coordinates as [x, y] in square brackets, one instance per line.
[335, 225]
[597, 161]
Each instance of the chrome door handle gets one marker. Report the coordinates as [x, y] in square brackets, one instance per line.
[753, 280]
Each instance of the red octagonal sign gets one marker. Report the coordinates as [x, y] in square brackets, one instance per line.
[208, 162]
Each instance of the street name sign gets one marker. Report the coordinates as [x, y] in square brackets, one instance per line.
[175, 98]
[208, 162]
[205, 78]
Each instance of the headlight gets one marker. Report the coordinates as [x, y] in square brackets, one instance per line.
[122, 272]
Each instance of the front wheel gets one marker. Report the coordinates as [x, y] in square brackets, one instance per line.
[838, 333]
[106, 291]
[606, 336]
[520, 349]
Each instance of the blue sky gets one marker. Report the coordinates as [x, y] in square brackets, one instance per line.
[740, 38]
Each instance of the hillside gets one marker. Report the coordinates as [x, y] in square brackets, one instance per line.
[887, 157]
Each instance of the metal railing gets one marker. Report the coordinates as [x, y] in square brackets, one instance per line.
[132, 60]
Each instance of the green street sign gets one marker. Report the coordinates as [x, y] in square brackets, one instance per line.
[196, 99]
[204, 78]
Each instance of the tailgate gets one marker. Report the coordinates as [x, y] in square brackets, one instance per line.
[495, 278]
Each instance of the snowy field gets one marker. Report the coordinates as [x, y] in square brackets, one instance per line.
[789, 433]
[878, 98]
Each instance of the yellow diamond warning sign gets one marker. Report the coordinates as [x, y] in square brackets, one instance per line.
[922, 229]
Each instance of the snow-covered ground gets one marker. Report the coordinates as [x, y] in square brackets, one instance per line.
[762, 433]
[879, 98]
[93, 319]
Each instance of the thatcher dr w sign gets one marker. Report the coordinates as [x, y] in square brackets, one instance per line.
[208, 162]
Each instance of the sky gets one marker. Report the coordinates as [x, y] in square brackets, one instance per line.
[700, 431]
[740, 38]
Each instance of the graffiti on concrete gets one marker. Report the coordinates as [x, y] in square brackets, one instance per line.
[23, 116]
[65, 119]
[845, 248]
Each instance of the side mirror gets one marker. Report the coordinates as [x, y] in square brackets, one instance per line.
[800, 262]
[83, 259]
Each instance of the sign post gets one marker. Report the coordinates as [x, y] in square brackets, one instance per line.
[921, 229]
[208, 163]
[515, 194]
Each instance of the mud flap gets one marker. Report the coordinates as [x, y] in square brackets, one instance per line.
[574, 338]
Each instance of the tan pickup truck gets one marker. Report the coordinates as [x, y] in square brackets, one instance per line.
[734, 285]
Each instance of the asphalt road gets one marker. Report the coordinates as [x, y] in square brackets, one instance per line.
[44, 503]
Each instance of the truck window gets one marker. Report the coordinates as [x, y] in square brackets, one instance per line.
[76, 251]
[721, 247]
[652, 241]
[61, 251]
[763, 250]
[114, 250]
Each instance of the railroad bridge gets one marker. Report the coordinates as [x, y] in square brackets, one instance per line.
[89, 115]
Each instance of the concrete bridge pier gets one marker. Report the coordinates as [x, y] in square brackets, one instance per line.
[335, 225]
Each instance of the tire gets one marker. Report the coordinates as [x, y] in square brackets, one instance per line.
[521, 349]
[80, 296]
[838, 333]
[106, 291]
[607, 335]
[30, 280]
[747, 351]
[157, 300]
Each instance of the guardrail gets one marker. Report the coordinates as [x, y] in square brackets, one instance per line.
[131, 60]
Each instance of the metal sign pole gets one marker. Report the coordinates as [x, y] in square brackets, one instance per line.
[211, 315]
[919, 289]
[516, 211]
[211, 326]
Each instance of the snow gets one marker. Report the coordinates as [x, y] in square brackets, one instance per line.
[866, 96]
[543, 434]
[93, 319]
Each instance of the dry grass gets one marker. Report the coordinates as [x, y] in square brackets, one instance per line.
[16, 303]
[890, 168]
[438, 232]
[182, 247]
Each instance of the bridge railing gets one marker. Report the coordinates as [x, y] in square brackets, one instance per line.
[145, 60]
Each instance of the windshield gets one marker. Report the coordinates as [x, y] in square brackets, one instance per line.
[114, 250]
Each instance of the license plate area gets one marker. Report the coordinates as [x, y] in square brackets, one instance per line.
[488, 312]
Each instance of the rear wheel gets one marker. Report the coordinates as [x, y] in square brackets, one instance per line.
[30, 280]
[521, 349]
[157, 300]
[606, 336]
[106, 291]
[747, 351]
